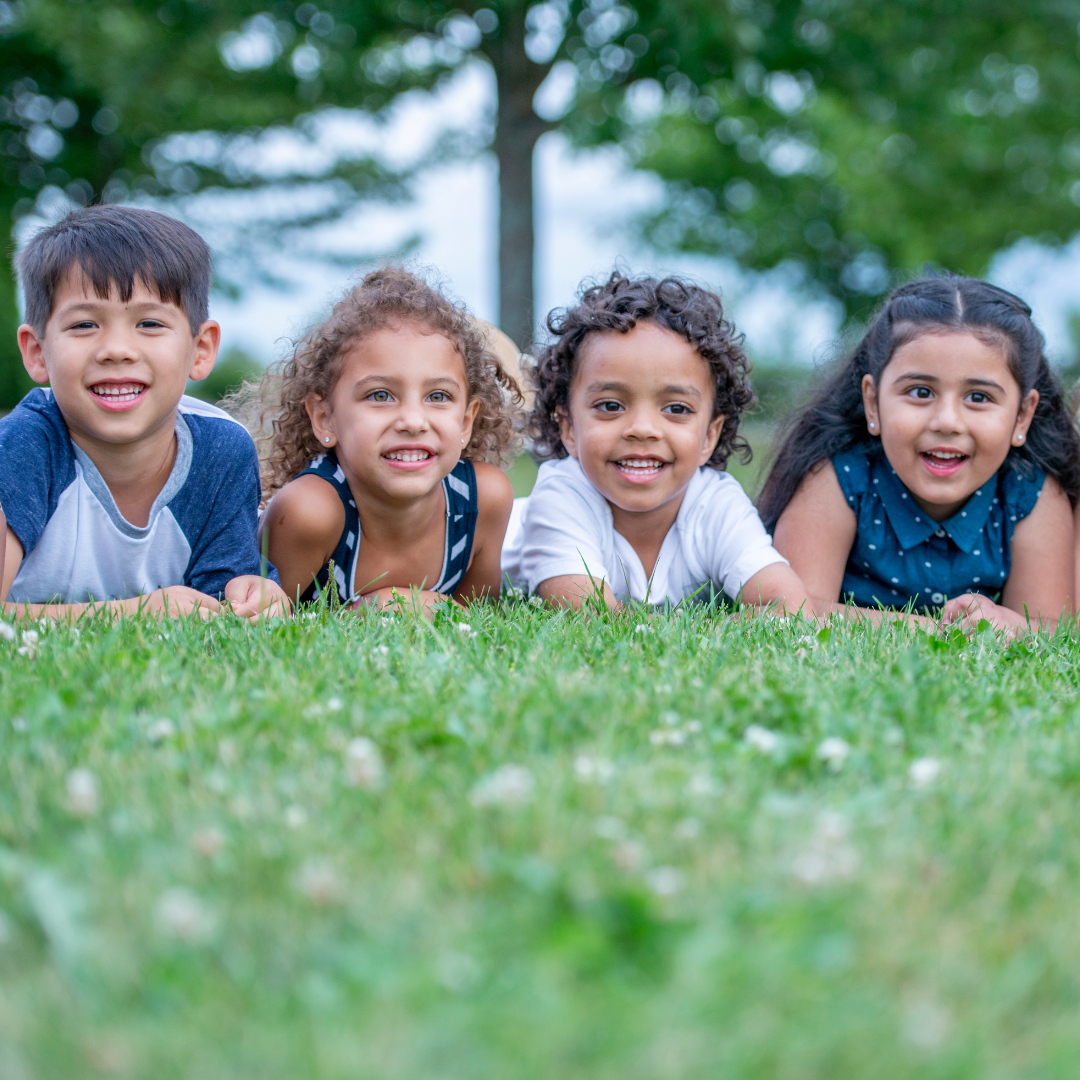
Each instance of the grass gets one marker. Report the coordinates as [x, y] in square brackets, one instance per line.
[559, 854]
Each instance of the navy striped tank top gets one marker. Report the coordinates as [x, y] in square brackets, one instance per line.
[459, 489]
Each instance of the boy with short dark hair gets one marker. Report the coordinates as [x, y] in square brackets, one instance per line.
[118, 489]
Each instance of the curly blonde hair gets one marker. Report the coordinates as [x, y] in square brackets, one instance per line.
[387, 297]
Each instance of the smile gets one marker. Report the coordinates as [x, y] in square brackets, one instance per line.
[118, 396]
[408, 457]
[943, 461]
[640, 470]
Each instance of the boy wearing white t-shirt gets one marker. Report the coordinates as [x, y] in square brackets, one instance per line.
[637, 409]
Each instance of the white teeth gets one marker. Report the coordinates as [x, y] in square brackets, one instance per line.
[944, 455]
[118, 393]
[408, 455]
[637, 465]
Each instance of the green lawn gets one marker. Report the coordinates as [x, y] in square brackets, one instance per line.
[537, 845]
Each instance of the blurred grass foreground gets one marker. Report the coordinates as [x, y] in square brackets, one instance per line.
[533, 844]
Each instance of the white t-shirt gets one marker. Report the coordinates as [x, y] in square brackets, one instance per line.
[565, 527]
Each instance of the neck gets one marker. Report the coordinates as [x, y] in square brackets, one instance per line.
[134, 472]
[645, 530]
[390, 520]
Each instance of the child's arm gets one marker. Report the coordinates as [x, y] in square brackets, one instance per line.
[1039, 589]
[575, 590]
[300, 528]
[780, 589]
[495, 499]
[175, 601]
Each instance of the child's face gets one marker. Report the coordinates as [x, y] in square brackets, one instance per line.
[947, 409]
[640, 420]
[399, 415]
[117, 369]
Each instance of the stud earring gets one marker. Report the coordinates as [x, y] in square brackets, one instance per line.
[326, 438]
[872, 426]
[462, 440]
[1019, 439]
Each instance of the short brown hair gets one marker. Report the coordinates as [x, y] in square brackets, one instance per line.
[620, 303]
[112, 246]
[386, 297]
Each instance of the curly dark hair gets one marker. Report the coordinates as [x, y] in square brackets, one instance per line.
[833, 420]
[620, 303]
[386, 297]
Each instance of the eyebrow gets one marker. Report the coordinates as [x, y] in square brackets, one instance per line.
[445, 380]
[914, 376]
[601, 387]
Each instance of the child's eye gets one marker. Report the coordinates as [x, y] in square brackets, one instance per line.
[923, 393]
[977, 397]
[86, 324]
[677, 408]
[438, 396]
[150, 324]
[608, 406]
[381, 396]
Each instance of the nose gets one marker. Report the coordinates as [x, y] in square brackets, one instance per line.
[411, 416]
[116, 346]
[947, 416]
[642, 424]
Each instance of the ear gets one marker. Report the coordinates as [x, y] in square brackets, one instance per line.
[711, 436]
[207, 341]
[322, 423]
[870, 406]
[1025, 416]
[471, 411]
[33, 353]
[566, 432]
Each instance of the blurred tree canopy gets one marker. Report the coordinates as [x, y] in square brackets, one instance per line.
[855, 138]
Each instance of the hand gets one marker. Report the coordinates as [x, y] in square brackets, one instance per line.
[252, 597]
[971, 608]
[173, 602]
[418, 601]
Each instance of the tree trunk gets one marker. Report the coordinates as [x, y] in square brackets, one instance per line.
[517, 129]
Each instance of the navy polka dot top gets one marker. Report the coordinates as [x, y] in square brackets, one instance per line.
[901, 556]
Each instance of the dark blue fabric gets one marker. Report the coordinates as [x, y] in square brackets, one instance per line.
[216, 508]
[459, 489]
[902, 556]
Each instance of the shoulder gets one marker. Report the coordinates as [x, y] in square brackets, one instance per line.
[216, 433]
[37, 418]
[565, 478]
[494, 493]
[1022, 488]
[852, 470]
[307, 510]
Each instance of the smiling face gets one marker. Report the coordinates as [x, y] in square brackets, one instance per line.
[947, 409]
[399, 414]
[640, 419]
[117, 370]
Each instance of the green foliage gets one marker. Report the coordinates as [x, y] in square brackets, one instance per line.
[234, 887]
[230, 372]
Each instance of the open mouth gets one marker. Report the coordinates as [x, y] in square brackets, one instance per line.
[640, 470]
[943, 462]
[409, 457]
[118, 396]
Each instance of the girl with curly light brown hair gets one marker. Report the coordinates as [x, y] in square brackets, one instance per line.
[384, 427]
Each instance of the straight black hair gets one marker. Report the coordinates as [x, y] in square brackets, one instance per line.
[834, 420]
[112, 246]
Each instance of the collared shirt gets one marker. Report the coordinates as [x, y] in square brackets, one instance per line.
[902, 556]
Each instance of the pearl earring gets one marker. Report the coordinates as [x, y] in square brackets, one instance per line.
[872, 426]
[326, 438]
[1019, 438]
[462, 440]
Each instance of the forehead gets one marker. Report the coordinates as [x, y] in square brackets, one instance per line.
[75, 287]
[405, 351]
[646, 357]
[952, 356]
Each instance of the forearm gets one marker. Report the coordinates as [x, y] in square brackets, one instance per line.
[577, 591]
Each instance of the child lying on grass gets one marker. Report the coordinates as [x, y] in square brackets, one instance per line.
[937, 468]
[118, 490]
[382, 422]
[637, 409]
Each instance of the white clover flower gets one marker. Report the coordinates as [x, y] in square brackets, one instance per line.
[334, 704]
[664, 880]
[208, 842]
[181, 914]
[160, 730]
[598, 770]
[834, 752]
[692, 727]
[7, 631]
[924, 771]
[508, 785]
[363, 763]
[82, 792]
[295, 817]
[536, 601]
[319, 882]
[30, 637]
[762, 739]
[643, 628]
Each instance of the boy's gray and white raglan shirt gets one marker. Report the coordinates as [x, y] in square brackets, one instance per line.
[565, 525]
[77, 546]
